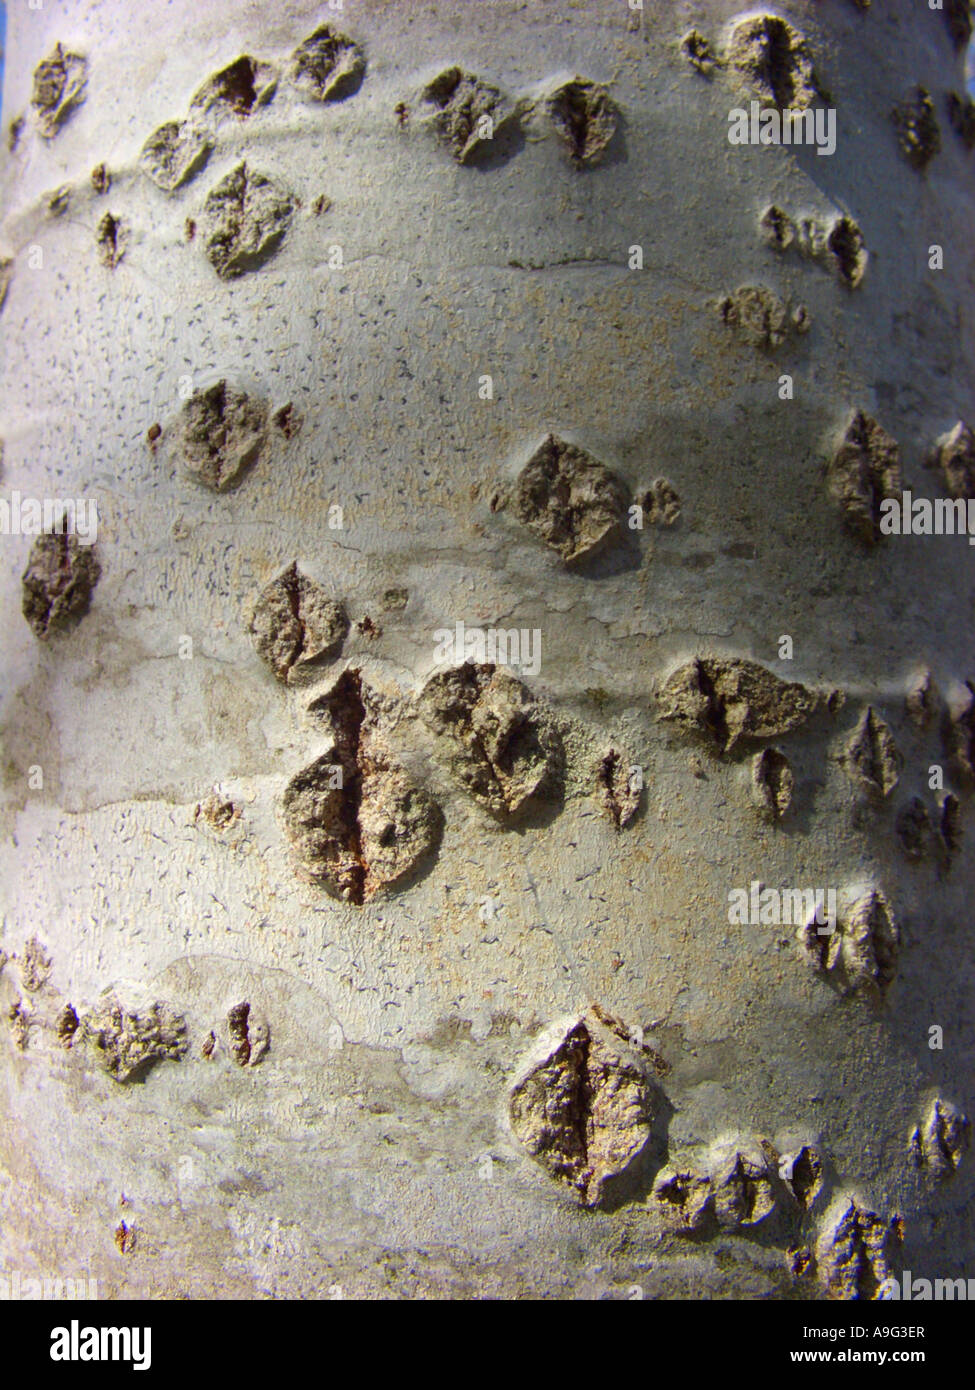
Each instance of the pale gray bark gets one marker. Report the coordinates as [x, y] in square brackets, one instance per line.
[369, 1147]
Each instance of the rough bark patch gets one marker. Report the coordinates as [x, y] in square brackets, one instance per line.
[244, 219]
[499, 746]
[698, 52]
[35, 966]
[570, 500]
[238, 88]
[940, 1142]
[661, 503]
[730, 699]
[922, 699]
[327, 66]
[871, 756]
[295, 624]
[357, 822]
[742, 1181]
[774, 60]
[863, 473]
[221, 433]
[852, 1252]
[845, 244]
[762, 317]
[583, 1104]
[684, 1198]
[287, 420]
[585, 117]
[58, 201]
[112, 239]
[772, 783]
[860, 952]
[616, 788]
[804, 1176]
[128, 1044]
[66, 1025]
[60, 82]
[959, 735]
[58, 582]
[469, 112]
[174, 153]
[918, 132]
[954, 457]
[219, 813]
[249, 1035]
[777, 228]
[840, 246]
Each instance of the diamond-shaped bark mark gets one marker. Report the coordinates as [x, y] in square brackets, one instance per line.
[327, 66]
[777, 228]
[940, 1142]
[497, 741]
[743, 1191]
[60, 82]
[58, 582]
[296, 624]
[846, 245]
[859, 952]
[249, 1035]
[112, 239]
[239, 88]
[174, 153]
[954, 457]
[570, 500]
[583, 1104]
[863, 474]
[586, 118]
[774, 60]
[772, 783]
[244, 219]
[803, 1172]
[66, 1025]
[853, 1252]
[918, 132]
[618, 787]
[469, 112]
[872, 757]
[729, 699]
[221, 432]
[356, 820]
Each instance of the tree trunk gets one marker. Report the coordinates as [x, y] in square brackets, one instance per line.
[343, 955]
